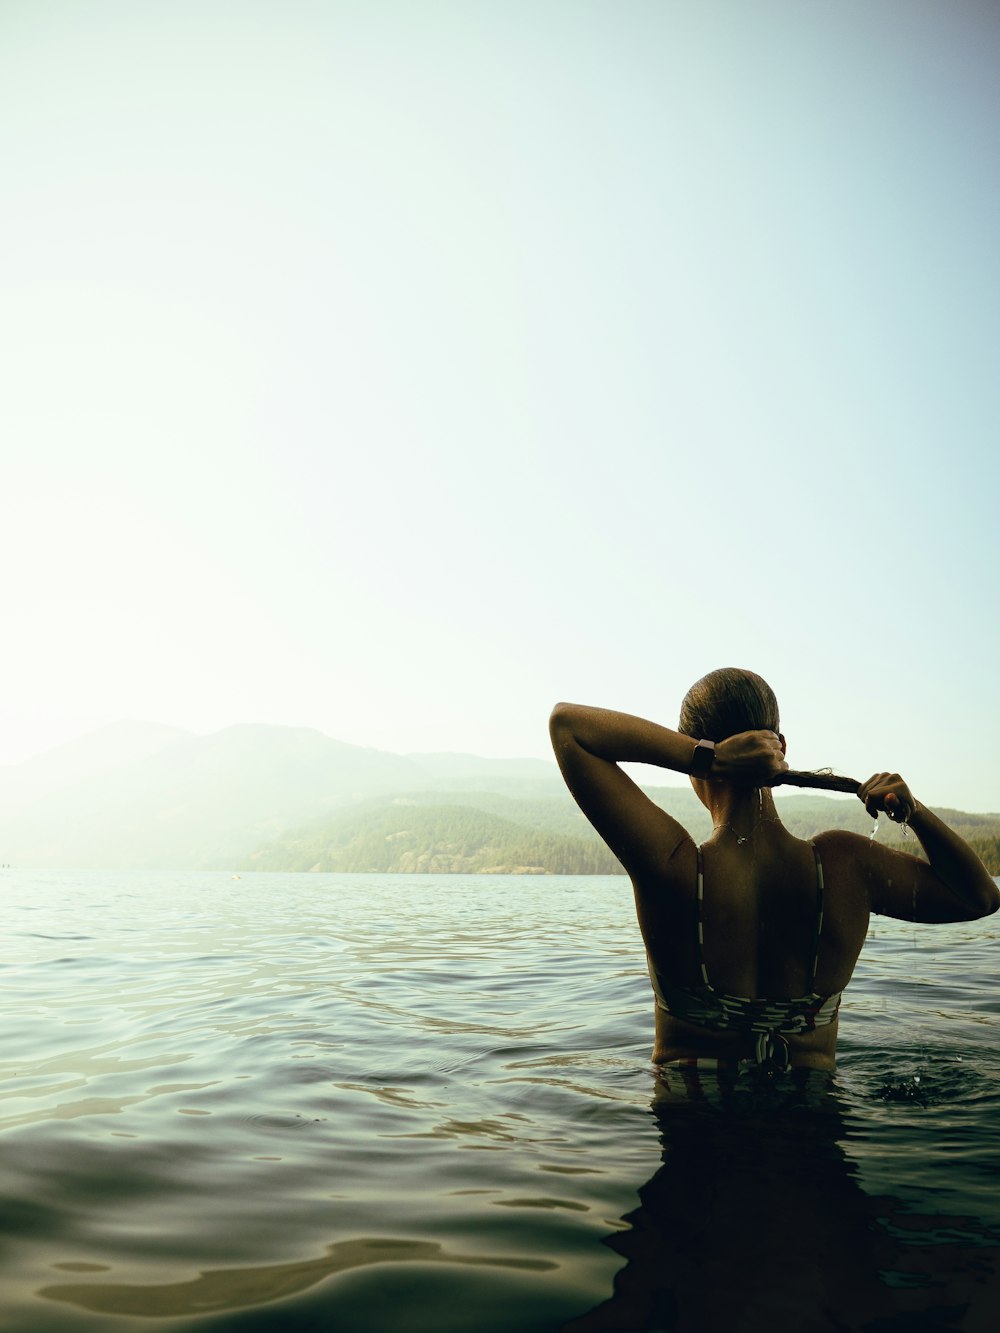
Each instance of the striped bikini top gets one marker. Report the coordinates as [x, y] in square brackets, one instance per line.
[767, 1019]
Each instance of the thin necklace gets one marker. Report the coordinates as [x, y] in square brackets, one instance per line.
[741, 838]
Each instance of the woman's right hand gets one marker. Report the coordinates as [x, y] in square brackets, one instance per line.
[753, 757]
[952, 885]
[888, 792]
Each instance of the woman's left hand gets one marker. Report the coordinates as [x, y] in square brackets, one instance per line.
[888, 792]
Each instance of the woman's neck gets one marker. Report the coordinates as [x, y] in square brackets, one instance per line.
[740, 811]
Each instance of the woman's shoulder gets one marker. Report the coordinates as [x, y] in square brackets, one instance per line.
[840, 849]
[851, 862]
[839, 842]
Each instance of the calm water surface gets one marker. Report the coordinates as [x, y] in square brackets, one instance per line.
[378, 1103]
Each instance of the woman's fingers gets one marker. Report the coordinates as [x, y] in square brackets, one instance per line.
[867, 794]
[888, 792]
[750, 756]
[898, 807]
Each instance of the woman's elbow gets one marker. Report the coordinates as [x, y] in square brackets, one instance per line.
[985, 895]
[560, 717]
[563, 726]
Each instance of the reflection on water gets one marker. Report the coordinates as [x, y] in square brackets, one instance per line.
[400, 1103]
[757, 1220]
[232, 1289]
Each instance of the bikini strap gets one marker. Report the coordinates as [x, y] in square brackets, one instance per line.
[701, 919]
[819, 917]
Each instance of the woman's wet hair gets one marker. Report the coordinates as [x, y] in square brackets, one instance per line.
[731, 700]
[726, 702]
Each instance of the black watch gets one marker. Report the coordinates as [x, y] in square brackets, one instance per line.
[702, 759]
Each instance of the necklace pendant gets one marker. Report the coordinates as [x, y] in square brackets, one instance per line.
[741, 841]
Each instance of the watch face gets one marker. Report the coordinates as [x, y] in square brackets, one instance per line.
[704, 753]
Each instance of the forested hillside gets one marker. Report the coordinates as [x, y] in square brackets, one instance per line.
[482, 832]
[433, 839]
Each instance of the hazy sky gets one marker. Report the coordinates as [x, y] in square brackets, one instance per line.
[399, 368]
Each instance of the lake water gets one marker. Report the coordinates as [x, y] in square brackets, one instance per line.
[375, 1103]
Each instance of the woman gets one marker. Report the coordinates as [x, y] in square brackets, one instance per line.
[752, 938]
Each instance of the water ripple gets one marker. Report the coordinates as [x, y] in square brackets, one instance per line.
[282, 1096]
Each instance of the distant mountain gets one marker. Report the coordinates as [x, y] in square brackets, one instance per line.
[470, 770]
[102, 751]
[140, 796]
[198, 801]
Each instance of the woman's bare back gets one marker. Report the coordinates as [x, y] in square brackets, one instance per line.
[770, 914]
